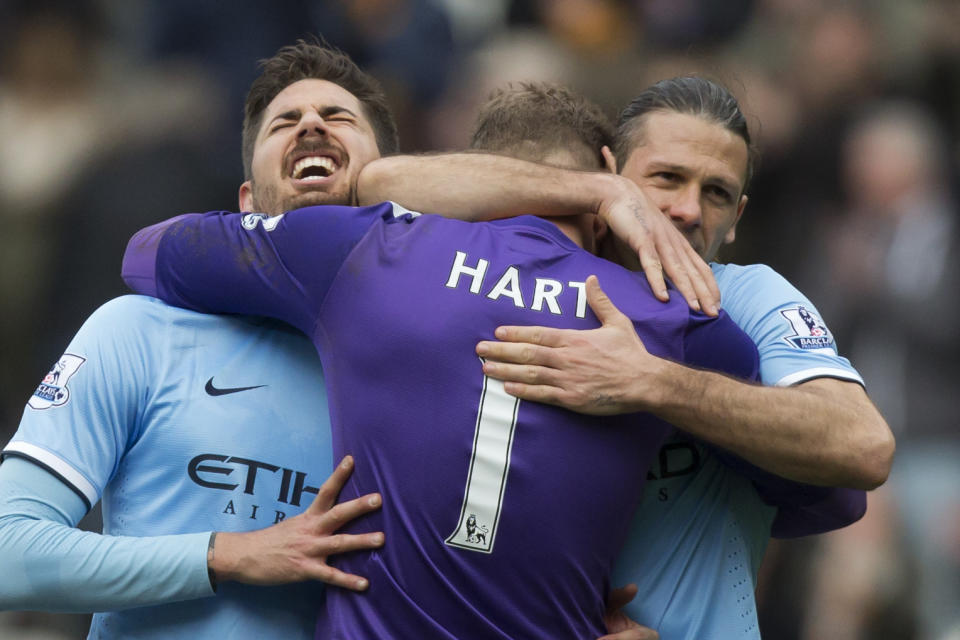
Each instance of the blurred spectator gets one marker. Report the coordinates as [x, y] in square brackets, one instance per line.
[63, 109]
[682, 24]
[51, 126]
[407, 44]
[891, 298]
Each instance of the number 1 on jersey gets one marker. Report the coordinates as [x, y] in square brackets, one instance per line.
[489, 465]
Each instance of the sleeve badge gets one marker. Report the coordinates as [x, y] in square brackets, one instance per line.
[53, 390]
[809, 331]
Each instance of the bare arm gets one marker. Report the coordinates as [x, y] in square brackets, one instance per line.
[477, 186]
[824, 431]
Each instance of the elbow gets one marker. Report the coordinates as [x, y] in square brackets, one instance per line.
[876, 457]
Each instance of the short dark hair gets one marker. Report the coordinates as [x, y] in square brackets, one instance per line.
[531, 119]
[691, 95]
[313, 60]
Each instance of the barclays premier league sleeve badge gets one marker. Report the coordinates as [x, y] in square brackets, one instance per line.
[809, 331]
[53, 391]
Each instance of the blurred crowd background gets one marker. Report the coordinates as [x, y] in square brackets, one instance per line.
[117, 113]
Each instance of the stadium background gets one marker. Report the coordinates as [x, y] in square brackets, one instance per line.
[118, 113]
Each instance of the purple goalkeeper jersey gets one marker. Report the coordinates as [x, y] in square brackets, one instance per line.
[502, 518]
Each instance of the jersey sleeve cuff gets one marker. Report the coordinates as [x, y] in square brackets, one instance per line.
[58, 467]
[819, 372]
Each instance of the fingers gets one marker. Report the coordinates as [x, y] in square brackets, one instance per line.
[335, 577]
[344, 512]
[543, 336]
[344, 543]
[676, 266]
[602, 306]
[330, 489]
[621, 597]
[653, 268]
[637, 633]
[693, 277]
[710, 294]
[519, 353]
[538, 393]
[522, 373]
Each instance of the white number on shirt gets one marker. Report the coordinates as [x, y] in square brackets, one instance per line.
[489, 465]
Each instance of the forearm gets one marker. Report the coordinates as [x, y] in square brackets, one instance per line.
[49, 565]
[475, 186]
[823, 432]
[52, 567]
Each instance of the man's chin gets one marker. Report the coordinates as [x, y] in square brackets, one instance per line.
[314, 198]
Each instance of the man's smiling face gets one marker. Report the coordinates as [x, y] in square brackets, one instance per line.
[313, 140]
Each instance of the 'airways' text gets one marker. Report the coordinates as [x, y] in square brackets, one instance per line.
[545, 291]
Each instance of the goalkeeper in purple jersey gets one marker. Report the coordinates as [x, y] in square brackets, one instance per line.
[504, 517]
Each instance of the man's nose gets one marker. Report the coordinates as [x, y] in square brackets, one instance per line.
[311, 124]
[684, 209]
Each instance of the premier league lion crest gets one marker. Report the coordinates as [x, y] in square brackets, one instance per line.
[809, 332]
[476, 534]
[471, 534]
[53, 391]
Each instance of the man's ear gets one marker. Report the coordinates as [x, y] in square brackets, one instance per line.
[246, 197]
[731, 234]
[600, 229]
[609, 159]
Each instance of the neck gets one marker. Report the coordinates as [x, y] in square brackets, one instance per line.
[577, 228]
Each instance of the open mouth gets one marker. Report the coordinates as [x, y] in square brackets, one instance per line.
[313, 168]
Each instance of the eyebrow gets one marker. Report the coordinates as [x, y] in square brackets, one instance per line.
[334, 110]
[325, 112]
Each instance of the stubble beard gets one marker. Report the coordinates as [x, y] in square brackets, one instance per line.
[267, 199]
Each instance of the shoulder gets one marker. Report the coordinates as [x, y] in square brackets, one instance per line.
[124, 307]
[134, 313]
[750, 293]
[733, 279]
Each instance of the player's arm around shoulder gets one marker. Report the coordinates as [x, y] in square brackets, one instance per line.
[248, 263]
[480, 186]
[824, 432]
[799, 356]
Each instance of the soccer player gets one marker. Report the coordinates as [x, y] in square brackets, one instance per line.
[697, 541]
[503, 517]
[185, 424]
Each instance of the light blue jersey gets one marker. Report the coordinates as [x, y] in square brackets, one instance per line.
[181, 422]
[697, 540]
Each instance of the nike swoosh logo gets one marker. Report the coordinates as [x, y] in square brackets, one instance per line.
[213, 391]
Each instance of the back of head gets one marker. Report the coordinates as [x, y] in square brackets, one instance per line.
[311, 60]
[543, 122]
[691, 95]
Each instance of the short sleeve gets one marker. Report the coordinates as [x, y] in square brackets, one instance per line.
[793, 341]
[254, 264]
[86, 411]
